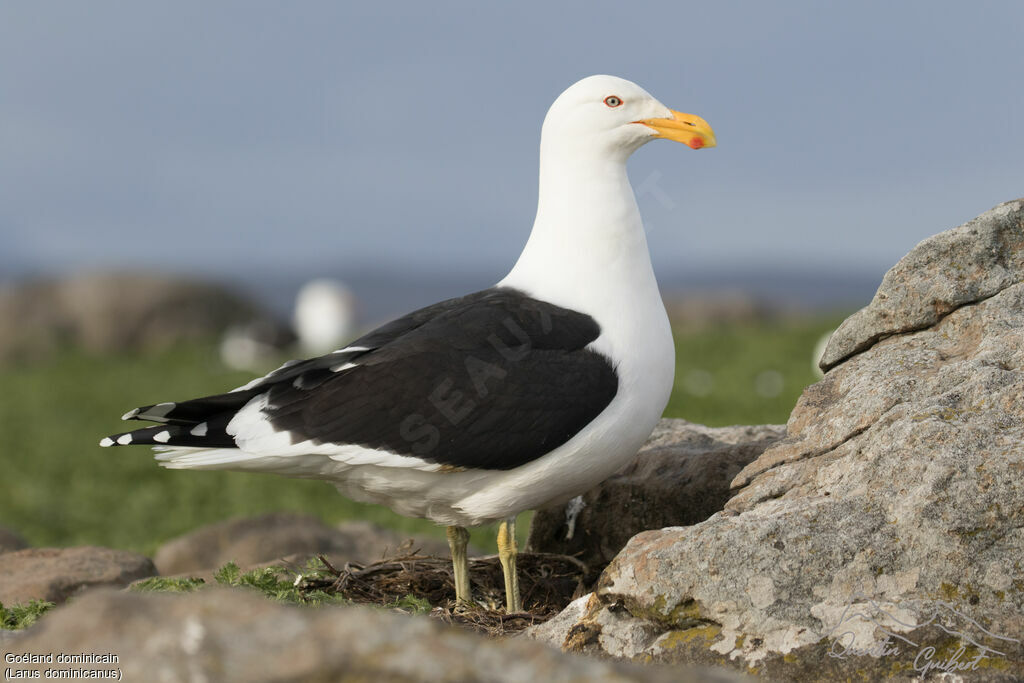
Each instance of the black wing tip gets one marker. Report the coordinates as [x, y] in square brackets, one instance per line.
[147, 435]
[212, 436]
[158, 412]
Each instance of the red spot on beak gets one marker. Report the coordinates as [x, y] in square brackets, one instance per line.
[695, 143]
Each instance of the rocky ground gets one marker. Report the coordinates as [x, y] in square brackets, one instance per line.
[680, 477]
[239, 635]
[116, 312]
[878, 535]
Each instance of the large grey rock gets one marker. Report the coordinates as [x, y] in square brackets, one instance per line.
[892, 510]
[680, 477]
[115, 312]
[232, 635]
[945, 271]
[55, 574]
[11, 540]
[250, 541]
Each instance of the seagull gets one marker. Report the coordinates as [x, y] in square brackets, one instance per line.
[325, 315]
[477, 408]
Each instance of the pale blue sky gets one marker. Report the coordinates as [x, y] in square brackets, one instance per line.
[318, 135]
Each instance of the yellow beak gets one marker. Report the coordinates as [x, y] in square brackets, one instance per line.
[692, 131]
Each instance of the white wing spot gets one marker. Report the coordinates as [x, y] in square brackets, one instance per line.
[162, 437]
[130, 414]
[256, 382]
[106, 442]
[199, 429]
[124, 439]
[352, 349]
[342, 366]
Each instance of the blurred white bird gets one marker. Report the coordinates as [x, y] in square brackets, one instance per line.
[325, 315]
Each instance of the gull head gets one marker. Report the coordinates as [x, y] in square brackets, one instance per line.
[611, 116]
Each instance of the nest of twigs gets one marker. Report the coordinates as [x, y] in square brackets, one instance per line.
[547, 583]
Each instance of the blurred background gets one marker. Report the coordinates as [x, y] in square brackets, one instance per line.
[172, 176]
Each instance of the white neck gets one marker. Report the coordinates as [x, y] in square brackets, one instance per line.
[588, 253]
[587, 250]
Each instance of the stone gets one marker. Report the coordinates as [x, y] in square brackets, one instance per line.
[251, 541]
[680, 477]
[55, 574]
[884, 532]
[11, 540]
[695, 311]
[554, 630]
[116, 312]
[234, 635]
[945, 271]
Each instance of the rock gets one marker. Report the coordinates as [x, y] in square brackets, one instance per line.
[372, 542]
[7, 639]
[885, 531]
[11, 540]
[719, 307]
[945, 271]
[234, 635]
[251, 541]
[556, 629]
[115, 312]
[681, 476]
[54, 574]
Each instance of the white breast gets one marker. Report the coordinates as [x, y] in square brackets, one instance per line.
[588, 253]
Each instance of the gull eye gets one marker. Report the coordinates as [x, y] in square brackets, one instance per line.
[612, 101]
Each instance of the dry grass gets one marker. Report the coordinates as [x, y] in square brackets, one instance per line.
[547, 583]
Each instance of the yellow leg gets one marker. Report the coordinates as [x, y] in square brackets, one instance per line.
[458, 539]
[507, 551]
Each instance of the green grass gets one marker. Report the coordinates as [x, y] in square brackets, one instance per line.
[275, 583]
[58, 487]
[61, 488]
[17, 617]
[749, 373]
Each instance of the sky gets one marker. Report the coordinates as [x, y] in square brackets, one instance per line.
[267, 137]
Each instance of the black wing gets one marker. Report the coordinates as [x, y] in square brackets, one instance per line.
[492, 380]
